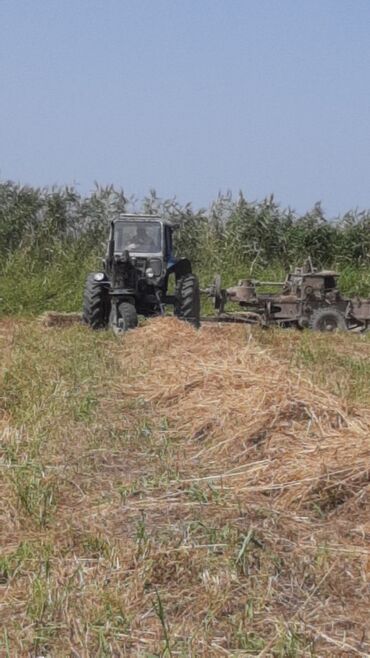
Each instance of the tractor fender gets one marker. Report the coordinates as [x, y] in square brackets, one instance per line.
[181, 267]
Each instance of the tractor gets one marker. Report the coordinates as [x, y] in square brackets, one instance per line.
[135, 276]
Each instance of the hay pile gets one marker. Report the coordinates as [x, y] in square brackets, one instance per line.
[263, 436]
[249, 418]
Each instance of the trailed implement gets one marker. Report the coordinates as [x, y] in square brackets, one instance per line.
[307, 298]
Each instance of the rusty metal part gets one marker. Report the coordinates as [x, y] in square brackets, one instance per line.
[245, 292]
[242, 318]
[218, 292]
[305, 294]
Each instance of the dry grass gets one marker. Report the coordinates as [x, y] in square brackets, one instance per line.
[182, 493]
[57, 319]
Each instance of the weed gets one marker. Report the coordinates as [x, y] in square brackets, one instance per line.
[159, 610]
[36, 493]
[111, 614]
[13, 562]
[6, 644]
[84, 410]
[142, 536]
[291, 643]
[96, 546]
[248, 641]
[204, 494]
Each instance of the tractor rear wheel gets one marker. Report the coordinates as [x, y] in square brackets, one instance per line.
[327, 319]
[95, 304]
[187, 295]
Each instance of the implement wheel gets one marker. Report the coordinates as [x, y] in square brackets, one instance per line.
[327, 319]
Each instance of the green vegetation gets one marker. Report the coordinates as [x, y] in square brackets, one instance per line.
[50, 239]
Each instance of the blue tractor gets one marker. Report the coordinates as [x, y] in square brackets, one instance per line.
[136, 274]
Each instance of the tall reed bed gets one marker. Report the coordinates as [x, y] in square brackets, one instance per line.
[50, 238]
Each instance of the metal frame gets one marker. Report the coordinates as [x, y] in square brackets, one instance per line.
[306, 294]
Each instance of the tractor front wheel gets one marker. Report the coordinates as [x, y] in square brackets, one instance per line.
[123, 317]
[187, 295]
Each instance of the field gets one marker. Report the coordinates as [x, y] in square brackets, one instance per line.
[183, 493]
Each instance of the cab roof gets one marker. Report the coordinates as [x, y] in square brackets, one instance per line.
[144, 218]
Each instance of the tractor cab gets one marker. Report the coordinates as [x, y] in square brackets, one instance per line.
[142, 237]
[144, 240]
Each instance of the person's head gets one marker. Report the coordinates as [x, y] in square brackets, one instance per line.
[141, 232]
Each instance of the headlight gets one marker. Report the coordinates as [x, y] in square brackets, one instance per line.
[99, 276]
[149, 272]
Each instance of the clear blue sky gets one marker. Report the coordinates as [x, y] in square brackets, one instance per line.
[189, 97]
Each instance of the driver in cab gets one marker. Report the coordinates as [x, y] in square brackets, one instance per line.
[141, 241]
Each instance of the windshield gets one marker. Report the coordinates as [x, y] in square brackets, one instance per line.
[140, 237]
